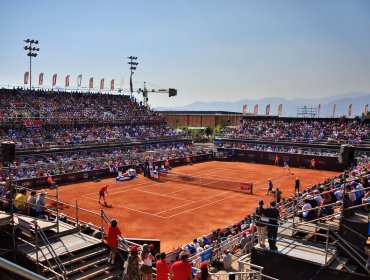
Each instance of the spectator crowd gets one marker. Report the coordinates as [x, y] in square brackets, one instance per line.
[323, 131]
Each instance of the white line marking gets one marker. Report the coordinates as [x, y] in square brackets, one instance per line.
[132, 209]
[192, 202]
[158, 194]
[204, 205]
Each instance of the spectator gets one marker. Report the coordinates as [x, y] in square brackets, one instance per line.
[272, 228]
[350, 193]
[147, 259]
[278, 194]
[226, 259]
[203, 274]
[328, 210]
[181, 269]
[152, 249]
[20, 205]
[366, 200]
[132, 265]
[348, 211]
[31, 202]
[297, 185]
[260, 224]
[113, 233]
[306, 213]
[162, 267]
[40, 205]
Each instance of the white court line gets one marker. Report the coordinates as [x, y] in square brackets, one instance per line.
[145, 185]
[200, 172]
[158, 194]
[266, 180]
[204, 171]
[192, 202]
[132, 209]
[223, 178]
[190, 188]
[131, 187]
[121, 188]
[200, 206]
[261, 187]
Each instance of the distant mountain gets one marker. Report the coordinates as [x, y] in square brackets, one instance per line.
[342, 101]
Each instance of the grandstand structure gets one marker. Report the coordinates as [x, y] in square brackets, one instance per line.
[201, 118]
[83, 136]
[296, 140]
[307, 112]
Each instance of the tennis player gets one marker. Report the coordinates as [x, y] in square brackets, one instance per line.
[102, 192]
[286, 166]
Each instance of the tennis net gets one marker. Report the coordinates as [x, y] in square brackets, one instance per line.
[215, 183]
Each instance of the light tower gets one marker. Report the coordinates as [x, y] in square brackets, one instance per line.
[133, 64]
[32, 52]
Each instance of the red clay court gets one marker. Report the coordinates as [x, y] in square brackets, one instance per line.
[177, 212]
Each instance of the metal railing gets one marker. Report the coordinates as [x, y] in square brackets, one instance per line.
[306, 226]
[40, 233]
[254, 270]
[246, 275]
[217, 249]
[51, 251]
[19, 270]
[351, 250]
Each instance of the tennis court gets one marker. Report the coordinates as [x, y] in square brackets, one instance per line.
[179, 210]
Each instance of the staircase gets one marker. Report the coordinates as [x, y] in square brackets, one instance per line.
[88, 263]
[68, 254]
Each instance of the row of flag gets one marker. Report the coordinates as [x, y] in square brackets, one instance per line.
[67, 81]
[255, 109]
[280, 109]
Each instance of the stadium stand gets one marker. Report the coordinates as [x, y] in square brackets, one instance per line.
[59, 133]
[301, 131]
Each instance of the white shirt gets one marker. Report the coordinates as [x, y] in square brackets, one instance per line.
[148, 261]
[338, 194]
[226, 259]
[360, 189]
[352, 196]
[318, 199]
[306, 209]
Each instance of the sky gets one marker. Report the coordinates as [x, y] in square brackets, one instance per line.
[209, 50]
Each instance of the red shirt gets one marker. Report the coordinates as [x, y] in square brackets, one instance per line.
[113, 233]
[162, 270]
[104, 190]
[181, 270]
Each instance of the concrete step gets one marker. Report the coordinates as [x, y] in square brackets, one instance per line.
[86, 265]
[95, 272]
[80, 268]
[112, 274]
[80, 257]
